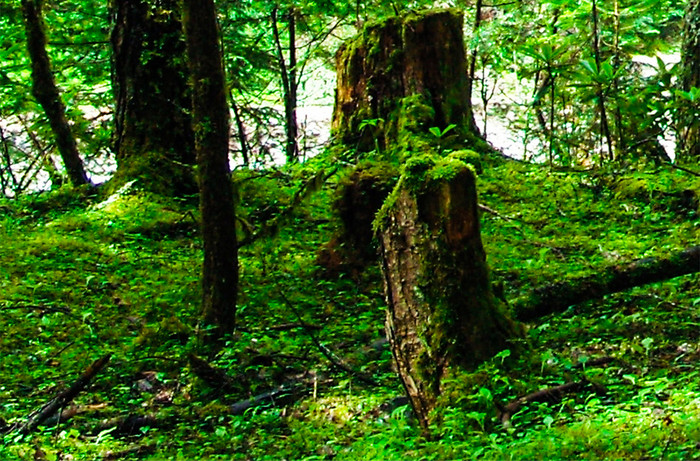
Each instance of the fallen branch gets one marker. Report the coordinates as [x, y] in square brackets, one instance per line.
[336, 361]
[558, 296]
[214, 377]
[279, 396]
[678, 167]
[71, 410]
[128, 425]
[282, 395]
[139, 451]
[64, 398]
[551, 395]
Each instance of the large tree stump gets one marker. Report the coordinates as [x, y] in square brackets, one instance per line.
[399, 78]
[442, 314]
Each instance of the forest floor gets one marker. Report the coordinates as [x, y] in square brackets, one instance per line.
[85, 276]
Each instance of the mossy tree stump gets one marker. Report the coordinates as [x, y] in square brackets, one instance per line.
[399, 78]
[442, 314]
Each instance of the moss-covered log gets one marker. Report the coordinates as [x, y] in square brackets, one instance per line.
[443, 316]
[399, 78]
[556, 297]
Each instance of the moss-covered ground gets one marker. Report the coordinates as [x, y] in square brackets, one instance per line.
[83, 276]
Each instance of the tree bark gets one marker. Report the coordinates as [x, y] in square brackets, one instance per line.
[211, 126]
[442, 314]
[289, 82]
[558, 296]
[153, 138]
[604, 125]
[687, 119]
[399, 78]
[47, 94]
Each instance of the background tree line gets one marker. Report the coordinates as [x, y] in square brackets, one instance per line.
[570, 70]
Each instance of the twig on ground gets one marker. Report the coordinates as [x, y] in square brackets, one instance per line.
[336, 361]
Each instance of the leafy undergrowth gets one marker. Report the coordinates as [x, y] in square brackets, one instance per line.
[84, 276]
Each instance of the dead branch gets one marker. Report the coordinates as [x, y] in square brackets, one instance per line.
[70, 411]
[549, 395]
[64, 398]
[336, 361]
[214, 377]
[128, 425]
[284, 394]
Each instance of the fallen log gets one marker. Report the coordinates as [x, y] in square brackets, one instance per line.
[63, 398]
[558, 296]
[130, 424]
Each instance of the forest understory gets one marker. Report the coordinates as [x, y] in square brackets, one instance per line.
[308, 373]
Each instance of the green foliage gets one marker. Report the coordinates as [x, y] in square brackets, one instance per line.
[85, 275]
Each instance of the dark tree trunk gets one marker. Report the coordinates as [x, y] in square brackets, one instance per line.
[153, 137]
[401, 77]
[443, 316]
[211, 127]
[473, 55]
[289, 83]
[47, 94]
[688, 120]
[604, 125]
[556, 297]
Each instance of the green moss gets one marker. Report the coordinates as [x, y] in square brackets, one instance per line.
[469, 157]
[421, 174]
[415, 114]
[445, 170]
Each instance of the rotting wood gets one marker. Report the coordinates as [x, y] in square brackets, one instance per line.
[558, 296]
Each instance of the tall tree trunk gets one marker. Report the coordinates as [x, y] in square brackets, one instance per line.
[290, 85]
[241, 132]
[688, 120]
[604, 125]
[153, 138]
[211, 126]
[47, 94]
[443, 316]
[471, 72]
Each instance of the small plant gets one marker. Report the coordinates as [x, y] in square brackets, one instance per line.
[440, 134]
[373, 123]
